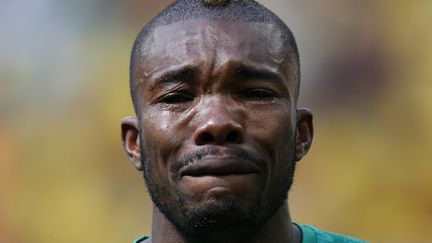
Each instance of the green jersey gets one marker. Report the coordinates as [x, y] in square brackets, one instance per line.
[309, 234]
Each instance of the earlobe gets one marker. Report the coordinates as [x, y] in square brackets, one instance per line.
[131, 141]
[304, 133]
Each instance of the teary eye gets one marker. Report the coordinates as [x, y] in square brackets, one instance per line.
[176, 98]
[259, 95]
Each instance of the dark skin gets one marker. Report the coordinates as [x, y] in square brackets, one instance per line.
[218, 84]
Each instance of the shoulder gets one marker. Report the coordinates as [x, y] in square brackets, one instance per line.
[311, 234]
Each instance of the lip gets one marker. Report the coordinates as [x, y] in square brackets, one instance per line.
[220, 166]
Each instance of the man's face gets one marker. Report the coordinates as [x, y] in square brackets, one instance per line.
[218, 120]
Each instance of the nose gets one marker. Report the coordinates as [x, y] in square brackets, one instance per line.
[219, 127]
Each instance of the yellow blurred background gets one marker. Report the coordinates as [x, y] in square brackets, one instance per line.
[367, 75]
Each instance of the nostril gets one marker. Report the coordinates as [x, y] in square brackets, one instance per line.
[218, 133]
[234, 137]
[205, 138]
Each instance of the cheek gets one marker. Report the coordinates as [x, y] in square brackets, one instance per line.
[156, 142]
[274, 129]
[275, 136]
[162, 139]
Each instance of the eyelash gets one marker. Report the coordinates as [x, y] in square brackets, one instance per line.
[260, 95]
[176, 98]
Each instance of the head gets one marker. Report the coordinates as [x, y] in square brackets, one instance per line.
[218, 132]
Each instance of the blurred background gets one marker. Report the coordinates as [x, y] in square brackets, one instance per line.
[64, 88]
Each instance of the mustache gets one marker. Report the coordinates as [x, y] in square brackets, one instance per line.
[212, 151]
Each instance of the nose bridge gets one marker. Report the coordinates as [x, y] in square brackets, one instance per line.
[218, 122]
[217, 110]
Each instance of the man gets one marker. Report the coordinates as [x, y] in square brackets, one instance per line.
[218, 133]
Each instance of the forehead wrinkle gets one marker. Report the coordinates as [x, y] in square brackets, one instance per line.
[172, 46]
[264, 45]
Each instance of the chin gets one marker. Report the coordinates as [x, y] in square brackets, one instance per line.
[220, 219]
[220, 215]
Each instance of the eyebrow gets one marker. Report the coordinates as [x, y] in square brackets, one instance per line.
[186, 73]
[175, 76]
[252, 72]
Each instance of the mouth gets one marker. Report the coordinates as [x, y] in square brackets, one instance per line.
[220, 166]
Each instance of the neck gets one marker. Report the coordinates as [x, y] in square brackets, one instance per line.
[278, 228]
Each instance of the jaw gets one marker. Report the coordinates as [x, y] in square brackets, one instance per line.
[219, 213]
[220, 219]
[277, 228]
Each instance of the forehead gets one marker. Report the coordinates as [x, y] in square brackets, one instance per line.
[203, 42]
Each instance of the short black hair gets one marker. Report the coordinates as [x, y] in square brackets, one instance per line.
[224, 10]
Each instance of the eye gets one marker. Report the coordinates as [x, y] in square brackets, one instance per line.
[260, 95]
[176, 98]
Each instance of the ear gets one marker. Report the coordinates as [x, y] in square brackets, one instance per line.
[131, 141]
[304, 132]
